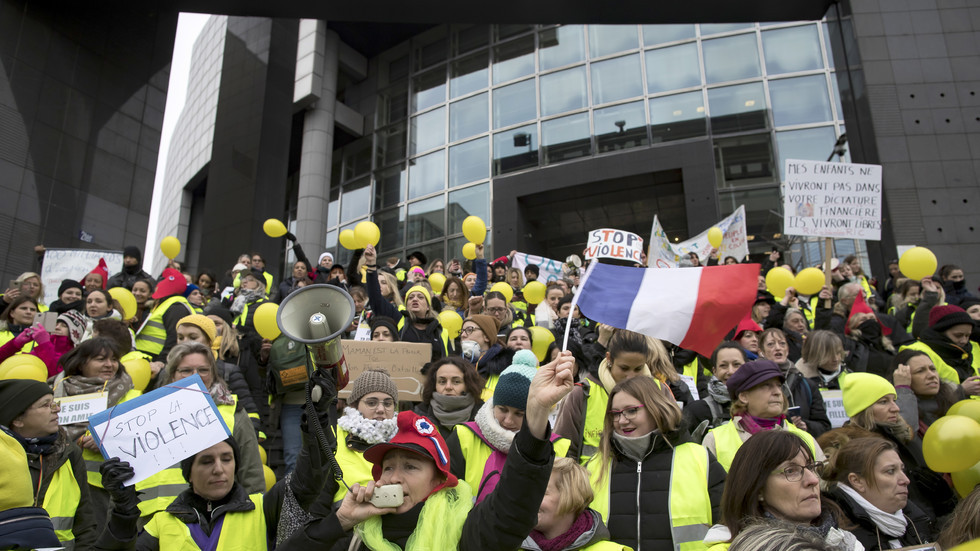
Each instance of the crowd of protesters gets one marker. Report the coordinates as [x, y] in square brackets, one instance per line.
[620, 441]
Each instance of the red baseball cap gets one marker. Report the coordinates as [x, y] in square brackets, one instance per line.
[418, 435]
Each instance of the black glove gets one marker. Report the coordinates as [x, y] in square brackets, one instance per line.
[114, 474]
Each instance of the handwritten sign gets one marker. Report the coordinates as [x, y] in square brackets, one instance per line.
[614, 244]
[692, 386]
[77, 409]
[548, 269]
[160, 428]
[833, 401]
[402, 360]
[664, 254]
[832, 200]
[62, 264]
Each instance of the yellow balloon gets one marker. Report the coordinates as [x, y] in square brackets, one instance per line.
[809, 281]
[474, 229]
[139, 371]
[917, 263]
[966, 480]
[367, 233]
[270, 477]
[778, 280]
[534, 292]
[541, 338]
[24, 366]
[170, 247]
[274, 227]
[436, 281]
[263, 455]
[950, 444]
[126, 301]
[504, 289]
[265, 320]
[972, 545]
[451, 322]
[966, 408]
[469, 251]
[715, 237]
[348, 240]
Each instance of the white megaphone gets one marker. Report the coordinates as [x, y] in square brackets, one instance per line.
[316, 315]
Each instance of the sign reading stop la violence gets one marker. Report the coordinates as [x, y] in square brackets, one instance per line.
[615, 244]
[841, 200]
[160, 428]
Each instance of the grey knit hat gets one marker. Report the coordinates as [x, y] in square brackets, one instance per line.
[372, 380]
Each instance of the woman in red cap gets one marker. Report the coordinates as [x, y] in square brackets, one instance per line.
[437, 508]
[947, 343]
[158, 334]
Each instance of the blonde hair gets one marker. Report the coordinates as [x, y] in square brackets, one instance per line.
[866, 420]
[27, 275]
[228, 335]
[392, 282]
[822, 349]
[658, 359]
[520, 276]
[572, 482]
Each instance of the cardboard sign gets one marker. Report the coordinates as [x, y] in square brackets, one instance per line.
[832, 200]
[160, 428]
[61, 264]
[548, 269]
[402, 360]
[664, 254]
[614, 244]
[77, 409]
[833, 401]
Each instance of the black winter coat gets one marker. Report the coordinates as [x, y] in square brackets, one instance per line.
[648, 484]
[920, 528]
[806, 394]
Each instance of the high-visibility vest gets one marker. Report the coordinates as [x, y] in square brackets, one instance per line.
[690, 504]
[61, 500]
[488, 387]
[240, 530]
[945, 370]
[356, 469]
[158, 491]
[691, 369]
[7, 336]
[605, 546]
[597, 399]
[153, 334]
[444, 334]
[93, 460]
[727, 441]
[243, 320]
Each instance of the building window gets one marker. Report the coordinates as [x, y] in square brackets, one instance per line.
[429, 130]
[469, 74]
[622, 127]
[469, 162]
[560, 46]
[566, 138]
[426, 219]
[513, 59]
[731, 58]
[737, 108]
[515, 149]
[472, 201]
[429, 89]
[677, 117]
[673, 68]
[792, 49]
[610, 39]
[616, 79]
[563, 91]
[660, 34]
[468, 117]
[514, 104]
[800, 100]
[427, 175]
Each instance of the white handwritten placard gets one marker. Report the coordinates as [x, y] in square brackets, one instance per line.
[77, 409]
[614, 244]
[160, 428]
[832, 200]
[73, 264]
[833, 401]
[548, 269]
[664, 254]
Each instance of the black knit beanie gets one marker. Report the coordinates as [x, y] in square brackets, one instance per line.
[185, 464]
[16, 395]
[68, 284]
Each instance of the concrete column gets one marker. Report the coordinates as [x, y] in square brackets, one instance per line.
[317, 149]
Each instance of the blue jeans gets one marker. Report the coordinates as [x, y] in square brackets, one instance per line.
[292, 436]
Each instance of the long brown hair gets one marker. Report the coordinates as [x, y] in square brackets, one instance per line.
[964, 525]
[472, 380]
[858, 456]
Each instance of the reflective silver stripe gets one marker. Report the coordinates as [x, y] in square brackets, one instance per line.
[92, 466]
[163, 490]
[68, 545]
[691, 532]
[588, 451]
[62, 523]
[152, 339]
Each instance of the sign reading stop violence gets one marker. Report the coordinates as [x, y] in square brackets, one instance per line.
[615, 244]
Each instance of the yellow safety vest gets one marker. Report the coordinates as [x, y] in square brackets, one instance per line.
[7, 336]
[606, 546]
[595, 418]
[440, 524]
[727, 441]
[690, 504]
[489, 387]
[61, 500]
[691, 369]
[444, 334]
[153, 334]
[93, 459]
[159, 490]
[477, 453]
[945, 370]
[356, 469]
[241, 530]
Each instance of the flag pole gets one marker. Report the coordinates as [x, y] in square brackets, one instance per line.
[581, 287]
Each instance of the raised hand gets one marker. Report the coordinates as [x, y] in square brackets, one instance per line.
[551, 383]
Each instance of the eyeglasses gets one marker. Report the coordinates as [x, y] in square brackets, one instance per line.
[49, 405]
[497, 309]
[629, 413]
[794, 473]
[467, 330]
[373, 403]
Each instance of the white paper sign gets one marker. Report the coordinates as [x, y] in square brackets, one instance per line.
[62, 264]
[691, 385]
[833, 401]
[664, 254]
[614, 244]
[77, 409]
[160, 428]
[832, 200]
[548, 269]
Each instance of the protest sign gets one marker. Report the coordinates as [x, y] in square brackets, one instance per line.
[159, 429]
[77, 409]
[402, 360]
[833, 401]
[614, 244]
[664, 254]
[832, 200]
[549, 269]
[61, 264]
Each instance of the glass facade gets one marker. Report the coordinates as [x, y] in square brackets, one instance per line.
[459, 106]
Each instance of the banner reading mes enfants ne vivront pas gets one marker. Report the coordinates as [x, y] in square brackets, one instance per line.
[823, 199]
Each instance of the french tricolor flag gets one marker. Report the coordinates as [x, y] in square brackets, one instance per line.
[691, 307]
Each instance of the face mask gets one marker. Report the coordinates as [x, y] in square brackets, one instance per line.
[959, 285]
[471, 351]
[870, 329]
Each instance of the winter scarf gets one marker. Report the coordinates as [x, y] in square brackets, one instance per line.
[828, 531]
[220, 394]
[452, 410]
[38, 446]
[718, 391]
[893, 524]
[76, 385]
[246, 296]
[583, 523]
[368, 430]
[753, 424]
[498, 437]
[606, 378]
[636, 448]
[958, 358]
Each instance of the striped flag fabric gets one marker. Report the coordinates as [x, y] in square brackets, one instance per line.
[690, 307]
